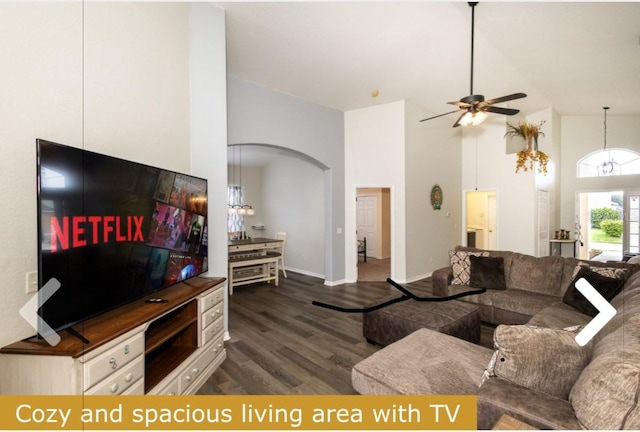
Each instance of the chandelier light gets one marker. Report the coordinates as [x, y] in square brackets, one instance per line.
[241, 209]
[608, 166]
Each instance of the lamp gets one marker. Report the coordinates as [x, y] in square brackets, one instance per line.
[607, 167]
[473, 117]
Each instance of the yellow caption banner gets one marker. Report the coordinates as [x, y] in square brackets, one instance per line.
[238, 412]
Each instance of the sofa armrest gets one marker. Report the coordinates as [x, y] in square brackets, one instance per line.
[497, 397]
[441, 280]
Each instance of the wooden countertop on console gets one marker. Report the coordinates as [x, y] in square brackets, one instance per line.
[114, 323]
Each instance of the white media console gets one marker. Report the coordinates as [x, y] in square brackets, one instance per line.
[139, 348]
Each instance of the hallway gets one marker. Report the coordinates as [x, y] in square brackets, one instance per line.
[374, 269]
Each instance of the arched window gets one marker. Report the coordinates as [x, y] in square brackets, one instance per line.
[609, 162]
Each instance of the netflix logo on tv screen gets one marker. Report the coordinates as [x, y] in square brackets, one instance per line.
[111, 231]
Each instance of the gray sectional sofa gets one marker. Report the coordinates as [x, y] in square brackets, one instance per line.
[536, 372]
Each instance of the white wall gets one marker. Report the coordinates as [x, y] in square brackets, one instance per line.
[258, 115]
[582, 135]
[375, 157]
[208, 125]
[293, 202]
[487, 166]
[433, 153]
[135, 106]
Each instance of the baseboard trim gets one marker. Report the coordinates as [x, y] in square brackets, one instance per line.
[304, 272]
[334, 283]
[417, 278]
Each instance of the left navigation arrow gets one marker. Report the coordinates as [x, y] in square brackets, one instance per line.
[30, 312]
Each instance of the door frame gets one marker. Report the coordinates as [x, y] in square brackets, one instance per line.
[485, 227]
[352, 246]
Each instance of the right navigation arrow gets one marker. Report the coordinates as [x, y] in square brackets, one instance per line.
[605, 312]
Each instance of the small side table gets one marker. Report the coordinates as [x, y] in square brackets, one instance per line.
[506, 422]
[559, 244]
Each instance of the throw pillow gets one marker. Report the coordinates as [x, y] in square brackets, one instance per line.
[611, 272]
[461, 266]
[607, 287]
[487, 272]
[543, 359]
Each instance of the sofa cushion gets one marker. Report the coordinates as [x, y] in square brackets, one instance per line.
[546, 360]
[605, 396]
[521, 301]
[571, 263]
[610, 272]
[422, 363]
[607, 286]
[487, 272]
[461, 266]
[559, 316]
[540, 410]
[537, 274]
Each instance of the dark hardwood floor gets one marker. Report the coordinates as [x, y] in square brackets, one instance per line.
[282, 344]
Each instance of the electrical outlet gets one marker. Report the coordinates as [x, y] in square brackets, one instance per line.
[31, 279]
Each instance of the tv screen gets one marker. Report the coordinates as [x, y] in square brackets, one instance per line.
[111, 231]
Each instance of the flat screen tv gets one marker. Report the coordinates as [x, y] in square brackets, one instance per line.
[111, 231]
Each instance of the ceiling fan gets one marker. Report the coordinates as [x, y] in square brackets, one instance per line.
[474, 108]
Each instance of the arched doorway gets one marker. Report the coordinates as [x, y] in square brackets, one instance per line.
[286, 190]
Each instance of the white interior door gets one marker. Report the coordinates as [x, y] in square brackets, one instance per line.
[367, 226]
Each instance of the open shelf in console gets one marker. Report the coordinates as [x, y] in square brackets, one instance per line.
[169, 340]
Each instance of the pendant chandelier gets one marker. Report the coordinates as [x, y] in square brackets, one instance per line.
[241, 209]
[608, 166]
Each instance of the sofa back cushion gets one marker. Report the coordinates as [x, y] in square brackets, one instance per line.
[605, 396]
[537, 274]
[570, 269]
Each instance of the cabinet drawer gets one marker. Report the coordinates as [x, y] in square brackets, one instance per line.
[212, 331]
[119, 381]
[193, 371]
[211, 315]
[112, 360]
[211, 299]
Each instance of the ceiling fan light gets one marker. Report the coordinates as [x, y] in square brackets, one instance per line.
[473, 118]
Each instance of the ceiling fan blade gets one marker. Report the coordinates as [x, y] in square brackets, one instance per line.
[457, 123]
[439, 115]
[499, 110]
[505, 98]
[460, 104]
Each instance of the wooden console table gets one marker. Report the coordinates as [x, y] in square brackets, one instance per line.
[253, 260]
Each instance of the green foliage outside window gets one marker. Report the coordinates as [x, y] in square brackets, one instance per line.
[600, 214]
[613, 228]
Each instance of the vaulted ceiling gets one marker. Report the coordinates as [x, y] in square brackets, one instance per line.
[575, 57]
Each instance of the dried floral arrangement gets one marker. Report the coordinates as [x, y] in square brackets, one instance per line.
[530, 154]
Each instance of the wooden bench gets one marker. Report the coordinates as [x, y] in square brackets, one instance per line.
[247, 268]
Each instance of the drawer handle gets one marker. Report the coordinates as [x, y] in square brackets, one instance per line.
[126, 349]
[128, 377]
[172, 394]
[187, 377]
[114, 387]
[213, 315]
[196, 371]
[113, 363]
